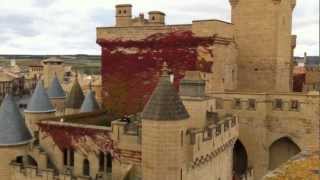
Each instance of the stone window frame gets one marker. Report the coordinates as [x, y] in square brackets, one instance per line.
[297, 107]
[250, 107]
[278, 104]
[219, 103]
[237, 103]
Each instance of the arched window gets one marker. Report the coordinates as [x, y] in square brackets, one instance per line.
[280, 151]
[86, 167]
[153, 18]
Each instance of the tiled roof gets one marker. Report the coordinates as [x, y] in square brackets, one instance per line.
[165, 103]
[39, 101]
[13, 130]
[55, 90]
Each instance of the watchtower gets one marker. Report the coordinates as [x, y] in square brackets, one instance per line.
[164, 126]
[52, 67]
[157, 17]
[263, 35]
[123, 14]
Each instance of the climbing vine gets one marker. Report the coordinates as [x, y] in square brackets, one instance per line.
[130, 68]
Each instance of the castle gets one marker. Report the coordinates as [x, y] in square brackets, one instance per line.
[207, 100]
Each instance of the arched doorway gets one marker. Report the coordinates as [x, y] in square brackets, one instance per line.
[86, 167]
[240, 159]
[280, 151]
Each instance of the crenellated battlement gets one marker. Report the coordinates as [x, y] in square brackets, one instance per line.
[209, 142]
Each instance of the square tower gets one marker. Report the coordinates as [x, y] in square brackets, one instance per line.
[123, 15]
[263, 35]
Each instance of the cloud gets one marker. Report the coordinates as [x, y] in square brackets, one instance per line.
[68, 27]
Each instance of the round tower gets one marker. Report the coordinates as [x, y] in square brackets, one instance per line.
[123, 14]
[57, 95]
[75, 98]
[38, 108]
[14, 136]
[164, 125]
[157, 17]
[52, 67]
[90, 103]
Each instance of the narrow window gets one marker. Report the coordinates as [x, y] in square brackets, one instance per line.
[294, 105]
[153, 18]
[251, 104]
[65, 157]
[71, 157]
[86, 167]
[109, 162]
[181, 174]
[278, 104]
[124, 12]
[237, 103]
[119, 12]
[181, 136]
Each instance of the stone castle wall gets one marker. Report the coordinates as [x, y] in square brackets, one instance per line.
[262, 126]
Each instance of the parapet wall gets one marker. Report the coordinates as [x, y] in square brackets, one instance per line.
[209, 142]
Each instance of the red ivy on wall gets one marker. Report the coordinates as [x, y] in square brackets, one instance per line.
[70, 137]
[130, 69]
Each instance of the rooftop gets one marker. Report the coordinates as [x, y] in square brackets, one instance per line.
[13, 130]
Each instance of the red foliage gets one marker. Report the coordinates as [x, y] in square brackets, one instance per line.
[69, 137]
[130, 77]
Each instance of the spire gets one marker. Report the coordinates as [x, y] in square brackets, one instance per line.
[165, 103]
[39, 102]
[90, 103]
[75, 97]
[13, 130]
[55, 90]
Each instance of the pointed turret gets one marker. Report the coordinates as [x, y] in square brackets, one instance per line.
[164, 127]
[38, 108]
[55, 90]
[75, 97]
[90, 103]
[15, 138]
[165, 103]
[40, 102]
[57, 95]
[13, 130]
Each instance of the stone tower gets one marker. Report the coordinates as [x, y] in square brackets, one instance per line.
[263, 36]
[157, 17]
[123, 14]
[75, 98]
[164, 124]
[52, 67]
[14, 136]
[57, 95]
[38, 108]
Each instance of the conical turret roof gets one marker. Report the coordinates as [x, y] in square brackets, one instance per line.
[75, 97]
[90, 103]
[13, 130]
[165, 103]
[55, 90]
[39, 101]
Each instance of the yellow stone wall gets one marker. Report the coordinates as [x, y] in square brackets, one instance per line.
[261, 127]
[162, 149]
[263, 35]
[7, 155]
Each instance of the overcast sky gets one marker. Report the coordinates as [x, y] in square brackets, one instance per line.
[68, 26]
